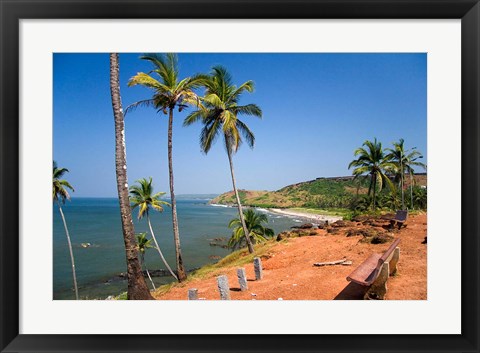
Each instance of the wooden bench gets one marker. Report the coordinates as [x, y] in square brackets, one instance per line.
[399, 219]
[374, 271]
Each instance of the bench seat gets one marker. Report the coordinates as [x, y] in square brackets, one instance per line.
[365, 274]
[374, 271]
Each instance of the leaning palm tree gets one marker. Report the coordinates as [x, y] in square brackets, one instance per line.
[143, 245]
[60, 194]
[219, 113]
[257, 231]
[142, 196]
[371, 160]
[169, 93]
[137, 287]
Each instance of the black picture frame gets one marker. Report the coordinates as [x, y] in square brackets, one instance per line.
[12, 11]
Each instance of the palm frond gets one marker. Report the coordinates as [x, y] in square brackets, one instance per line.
[143, 103]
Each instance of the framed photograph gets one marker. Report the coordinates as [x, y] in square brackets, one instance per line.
[356, 100]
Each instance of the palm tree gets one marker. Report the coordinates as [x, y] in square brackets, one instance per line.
[137, 287]
[169, 93]
[410, 162]
[143, 245]
[60, 194]
[397, 156]
[142, 196]
[371, 160]
[404, 161]
[219, 114]
[257, 232]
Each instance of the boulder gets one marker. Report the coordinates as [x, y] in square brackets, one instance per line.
[304, 226]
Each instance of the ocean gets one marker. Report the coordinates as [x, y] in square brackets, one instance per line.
[97, 221]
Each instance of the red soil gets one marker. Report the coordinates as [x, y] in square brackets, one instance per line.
[289, 272]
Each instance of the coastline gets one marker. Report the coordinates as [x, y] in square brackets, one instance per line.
[304, 216]
[310, 217]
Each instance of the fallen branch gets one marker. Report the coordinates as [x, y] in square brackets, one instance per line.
[343, 262]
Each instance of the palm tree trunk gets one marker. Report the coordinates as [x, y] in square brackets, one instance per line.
[402, 176]
[411, 191]
[71, 251]
[144, 265]
[374, 180]
[176, 236]
[137, 287]
[240, 211]
[150, 278]
[158, 248]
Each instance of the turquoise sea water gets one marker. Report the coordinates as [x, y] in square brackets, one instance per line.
[97, 221]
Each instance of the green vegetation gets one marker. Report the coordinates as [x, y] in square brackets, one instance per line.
[404, 161]
[349, 196]
[60, 194]
[257, 232]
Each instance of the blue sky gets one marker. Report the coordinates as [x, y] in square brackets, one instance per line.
[317, 109]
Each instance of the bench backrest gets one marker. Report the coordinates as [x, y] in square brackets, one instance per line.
[401, 216]
[389, 251]
[385, 257]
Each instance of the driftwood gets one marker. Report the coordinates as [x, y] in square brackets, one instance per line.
[343, 262]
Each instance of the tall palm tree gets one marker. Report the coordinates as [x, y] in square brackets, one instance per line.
[404, 161]
[60, 194]
[257, 231]
[371, 160]
[219, 113]
[169, 93]
[143, 245]
[137, 287]
[142, 196]
[397, 156]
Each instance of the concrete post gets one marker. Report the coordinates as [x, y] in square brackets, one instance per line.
[193, 294]
[242, 279]
[223, 287]
[257, 265]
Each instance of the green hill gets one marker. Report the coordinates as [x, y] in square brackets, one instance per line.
[334, 192]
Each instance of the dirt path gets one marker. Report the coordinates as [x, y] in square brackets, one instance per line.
[289, 272]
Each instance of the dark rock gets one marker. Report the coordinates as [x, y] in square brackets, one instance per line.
[381, 239]
[304, 226]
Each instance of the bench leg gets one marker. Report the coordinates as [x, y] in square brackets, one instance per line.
[379, 288]
[393, 262]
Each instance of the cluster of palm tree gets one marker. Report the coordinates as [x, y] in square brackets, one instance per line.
[386, 167]
[218, 110]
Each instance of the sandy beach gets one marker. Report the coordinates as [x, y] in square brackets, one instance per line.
[308, 217]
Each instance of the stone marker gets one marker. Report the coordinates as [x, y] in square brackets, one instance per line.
[193, 294]
[257, 264]
[223, 287]
[242, 279]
